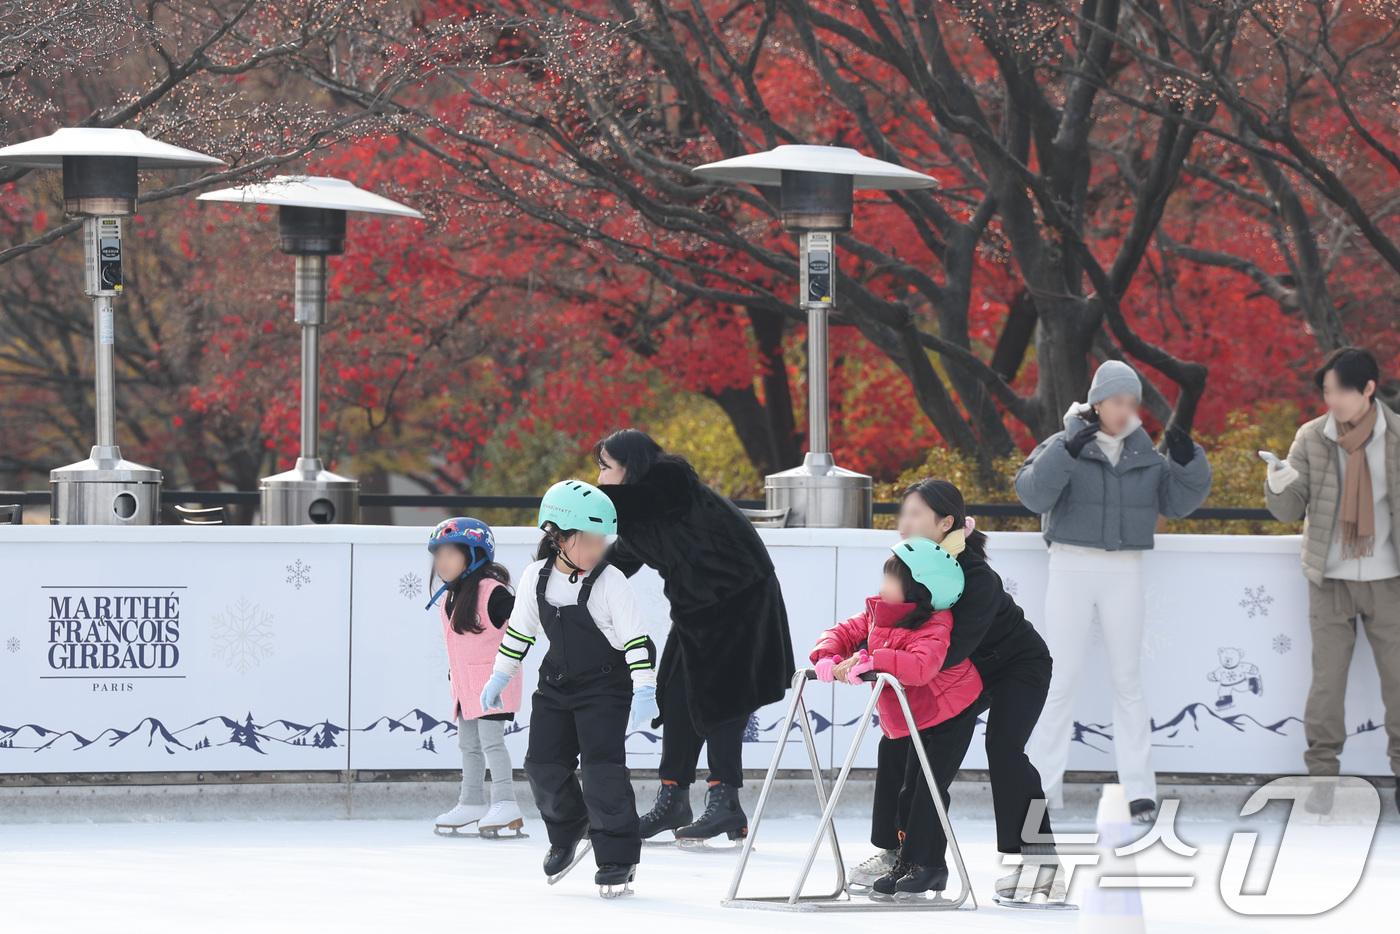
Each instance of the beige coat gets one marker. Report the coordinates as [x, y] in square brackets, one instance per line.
[1313, 496]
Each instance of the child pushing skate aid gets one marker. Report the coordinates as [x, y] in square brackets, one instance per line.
[904, 632]
[597, 675]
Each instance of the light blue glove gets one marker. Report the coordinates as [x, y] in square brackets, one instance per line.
[491, 694]
[644, 709]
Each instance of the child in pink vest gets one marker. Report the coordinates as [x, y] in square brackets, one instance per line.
[474, 615]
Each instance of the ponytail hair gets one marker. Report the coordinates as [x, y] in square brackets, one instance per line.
[548, 548]
[914, 592]
[945, 499]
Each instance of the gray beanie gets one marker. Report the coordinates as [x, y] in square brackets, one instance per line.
[1111, 378]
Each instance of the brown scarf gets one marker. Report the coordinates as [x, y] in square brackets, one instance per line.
[1358, 512]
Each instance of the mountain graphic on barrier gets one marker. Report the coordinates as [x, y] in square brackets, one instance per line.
[153, 734]
[415, 721]
[1192, 724]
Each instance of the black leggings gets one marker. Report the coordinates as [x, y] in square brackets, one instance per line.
[902, 799]
[680, 742]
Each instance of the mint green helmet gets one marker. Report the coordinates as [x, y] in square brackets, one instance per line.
[575, 505]
[933, 567]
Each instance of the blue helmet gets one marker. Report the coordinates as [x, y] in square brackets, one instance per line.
[473, 534]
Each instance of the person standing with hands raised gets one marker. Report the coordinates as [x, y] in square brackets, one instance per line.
[1100, 487]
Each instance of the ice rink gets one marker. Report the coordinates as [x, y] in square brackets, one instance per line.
[383, 875]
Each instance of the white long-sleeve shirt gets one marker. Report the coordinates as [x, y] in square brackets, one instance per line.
[612, 604]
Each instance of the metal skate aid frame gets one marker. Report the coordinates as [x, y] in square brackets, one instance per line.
[839, 900]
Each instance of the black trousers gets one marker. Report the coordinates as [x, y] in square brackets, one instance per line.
[681, 742]
[1013, 695]
[904, 817]
[588, 724]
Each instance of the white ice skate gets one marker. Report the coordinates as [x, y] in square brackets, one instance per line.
[1036, 883]
[458, 821]
[504, 815]
[582, 851]
[862, 877]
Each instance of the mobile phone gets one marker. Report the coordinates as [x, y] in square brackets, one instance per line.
[1269, 458]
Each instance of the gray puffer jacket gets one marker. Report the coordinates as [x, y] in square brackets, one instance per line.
[1088, 501]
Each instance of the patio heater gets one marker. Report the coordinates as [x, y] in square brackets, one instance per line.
[815, 186]
[311, 226]
[99, 185]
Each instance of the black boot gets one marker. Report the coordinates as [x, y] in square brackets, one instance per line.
[722, 815]
[921, 879]
[559, 857]
[1143, 810]
[615, 874]
[885, 885]
[671, 812]
[614, 879]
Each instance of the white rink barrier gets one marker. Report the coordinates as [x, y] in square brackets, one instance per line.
[179, 648]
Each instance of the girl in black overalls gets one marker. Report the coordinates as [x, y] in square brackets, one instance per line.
[598, 671]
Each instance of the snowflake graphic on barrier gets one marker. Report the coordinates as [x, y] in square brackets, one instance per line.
[242, 635]
[1157, 621]
[1010, 586]
[12, 644]
[410, 585]
[1282, 643]
[298, 574]
[1256, 602]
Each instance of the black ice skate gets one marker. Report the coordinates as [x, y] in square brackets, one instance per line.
[560, 859]
[723, 815]
[921, 883]
[614, 880]
[1143, 810]
[671, 811]
[885, 886]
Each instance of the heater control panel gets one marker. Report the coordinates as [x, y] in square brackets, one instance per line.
[818, 259]
[102, 253]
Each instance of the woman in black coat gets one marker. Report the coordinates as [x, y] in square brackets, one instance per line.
[729, 651]
[1014, 662]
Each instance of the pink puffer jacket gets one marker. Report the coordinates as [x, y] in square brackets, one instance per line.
[914, 656]
[470, 657]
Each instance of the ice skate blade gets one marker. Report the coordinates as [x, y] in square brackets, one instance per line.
[616, 891]
[578, 857]
[1043, 906]
[447, 830]
[695, 845]
[706, 844]
[494, 833]
[859, 890]
[919, 898]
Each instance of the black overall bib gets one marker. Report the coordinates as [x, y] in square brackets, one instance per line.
[580, 711]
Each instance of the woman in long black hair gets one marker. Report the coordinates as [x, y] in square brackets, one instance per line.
[729, 651]
[1014, 662]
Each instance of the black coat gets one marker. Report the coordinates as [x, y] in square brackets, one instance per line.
[988, 626]
[729, 629]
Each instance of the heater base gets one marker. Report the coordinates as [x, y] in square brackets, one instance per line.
[105, 489]
[309, 495]
[820, 495]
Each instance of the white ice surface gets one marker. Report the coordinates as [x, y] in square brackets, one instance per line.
[396, 876]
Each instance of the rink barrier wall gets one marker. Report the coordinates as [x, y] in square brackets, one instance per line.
[306, 651]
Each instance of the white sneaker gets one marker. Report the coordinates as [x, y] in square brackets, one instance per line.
[503, 815]
[864, 875]
[461, 816]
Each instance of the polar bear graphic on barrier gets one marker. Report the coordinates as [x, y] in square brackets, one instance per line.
[1234, 676]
